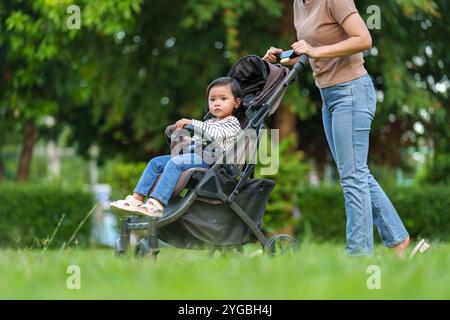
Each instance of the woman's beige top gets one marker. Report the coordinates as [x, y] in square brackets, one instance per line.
[319, 22]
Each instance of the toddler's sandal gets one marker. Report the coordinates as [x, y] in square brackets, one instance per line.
[149, 209]
[126, 206]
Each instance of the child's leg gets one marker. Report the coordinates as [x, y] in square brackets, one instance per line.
[154, 168]
[172, 172]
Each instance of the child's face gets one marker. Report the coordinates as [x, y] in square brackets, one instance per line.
[222, 102]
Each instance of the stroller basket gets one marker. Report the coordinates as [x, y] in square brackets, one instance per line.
[217, 224]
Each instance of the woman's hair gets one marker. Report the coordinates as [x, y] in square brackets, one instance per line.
[239, 113]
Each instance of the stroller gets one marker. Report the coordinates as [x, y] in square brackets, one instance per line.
[222, 208]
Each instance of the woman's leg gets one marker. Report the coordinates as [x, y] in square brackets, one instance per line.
[385, 217]
[172, 172]
[389, 225]
[154, 168]
[328, 129]
[347, 129]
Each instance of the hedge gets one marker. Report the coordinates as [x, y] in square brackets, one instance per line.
[425, 211]
[30, 214]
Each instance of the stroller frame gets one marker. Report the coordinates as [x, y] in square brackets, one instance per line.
[210, 187]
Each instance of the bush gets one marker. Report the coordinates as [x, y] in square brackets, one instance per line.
[30, 215]
[123, 178]
[322, 214]
[424, 212]
[279, 215]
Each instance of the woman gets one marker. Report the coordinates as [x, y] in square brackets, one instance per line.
[333, 35]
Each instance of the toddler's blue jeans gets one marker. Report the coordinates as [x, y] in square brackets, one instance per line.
[171, 169]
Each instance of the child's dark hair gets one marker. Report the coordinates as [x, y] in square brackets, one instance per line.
[239, 113]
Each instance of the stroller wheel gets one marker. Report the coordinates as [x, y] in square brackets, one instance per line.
[281, 245]
[141, 249]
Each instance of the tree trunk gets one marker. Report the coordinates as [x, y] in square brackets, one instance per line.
[286, 122]
[2, 170]
[386, 146]
[287, 26]
[29, 139]
[54, 161]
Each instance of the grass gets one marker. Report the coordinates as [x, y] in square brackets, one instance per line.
[320, 271]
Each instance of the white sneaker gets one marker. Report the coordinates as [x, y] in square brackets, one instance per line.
[126, 206]
[152, 208]
[421, 247]
[257, 253]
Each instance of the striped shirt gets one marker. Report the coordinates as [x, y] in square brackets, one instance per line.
[223, 131]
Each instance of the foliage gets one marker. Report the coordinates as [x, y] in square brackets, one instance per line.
[137, 66]
[423, 210]
[30, 215]
[289, 177]
[123, 178]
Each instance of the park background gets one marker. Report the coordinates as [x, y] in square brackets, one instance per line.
[83, 110]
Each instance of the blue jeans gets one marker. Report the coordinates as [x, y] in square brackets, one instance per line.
[347, 113]
[171, 169]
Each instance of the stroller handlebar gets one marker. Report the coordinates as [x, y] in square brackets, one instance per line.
[287, 55]
[303, 59]
[301, 63]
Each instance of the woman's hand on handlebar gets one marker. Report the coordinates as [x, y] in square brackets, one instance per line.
[303, 47]
[181, 123]
[272, 55]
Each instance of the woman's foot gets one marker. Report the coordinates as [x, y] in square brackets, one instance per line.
[126, 206]
[400, 249]
[153, 208]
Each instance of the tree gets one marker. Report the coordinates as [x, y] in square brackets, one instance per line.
[136, 66]
[39, 52]
[146, 78]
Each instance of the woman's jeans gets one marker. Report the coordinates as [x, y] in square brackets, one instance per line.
[171, 169]
[347, 112]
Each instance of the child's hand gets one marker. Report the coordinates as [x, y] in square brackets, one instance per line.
[181, 123]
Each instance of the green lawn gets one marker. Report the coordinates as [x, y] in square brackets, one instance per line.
[318, 272]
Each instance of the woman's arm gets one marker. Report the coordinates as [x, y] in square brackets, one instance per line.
[359, 40]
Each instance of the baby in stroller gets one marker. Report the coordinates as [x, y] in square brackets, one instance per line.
[224, 99]
[217, 204]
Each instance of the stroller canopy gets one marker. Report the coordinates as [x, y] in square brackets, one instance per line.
[258, 79]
